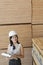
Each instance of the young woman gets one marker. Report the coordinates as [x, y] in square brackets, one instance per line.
[15, 49]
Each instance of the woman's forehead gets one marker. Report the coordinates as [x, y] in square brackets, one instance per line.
[14, 36]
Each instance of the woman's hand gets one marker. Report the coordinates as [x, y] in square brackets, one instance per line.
[13, 56]
[8, 58]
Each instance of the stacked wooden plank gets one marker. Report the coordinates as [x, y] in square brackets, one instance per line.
[37, 51]
[33, 63]
[37, 17]
[24, 34]
[15, 11]
[37, 30]
[16, 15]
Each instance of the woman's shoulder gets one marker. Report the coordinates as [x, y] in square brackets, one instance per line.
[20, 45]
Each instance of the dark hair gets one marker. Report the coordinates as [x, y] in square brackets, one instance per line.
[11, 42]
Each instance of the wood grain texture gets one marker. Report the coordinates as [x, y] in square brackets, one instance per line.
[34, 63]
[37, 17]
[24, 34]
[15, 11]
[27, 60]
[37, 30]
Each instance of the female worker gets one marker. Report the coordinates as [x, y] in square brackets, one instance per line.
[15, 49]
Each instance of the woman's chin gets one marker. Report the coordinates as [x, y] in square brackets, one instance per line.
[15, 42]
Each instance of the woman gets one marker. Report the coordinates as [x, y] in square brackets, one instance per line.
[15, 49]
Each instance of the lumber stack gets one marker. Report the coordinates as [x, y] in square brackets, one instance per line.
[37, 50]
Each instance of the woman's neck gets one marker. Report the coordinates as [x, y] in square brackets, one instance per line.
[15, 43]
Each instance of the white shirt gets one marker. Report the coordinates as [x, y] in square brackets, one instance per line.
[14, 51]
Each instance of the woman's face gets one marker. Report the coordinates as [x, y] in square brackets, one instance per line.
[14, 39]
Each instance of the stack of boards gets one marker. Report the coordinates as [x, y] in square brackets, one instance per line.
[37, 51]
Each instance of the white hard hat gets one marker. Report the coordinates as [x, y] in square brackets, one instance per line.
[12, 33]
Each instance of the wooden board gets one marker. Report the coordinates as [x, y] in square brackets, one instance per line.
[38, 45]
[34, 63]
[24, 34]
[39, 42]
[37, 50]
[37, 17]
[15, 11]
[27, 60]
[3, 60]
[37, 30]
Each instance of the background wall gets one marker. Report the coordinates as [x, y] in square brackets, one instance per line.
[16, 15]
[15, 11]
[37, 18]
[25, 17]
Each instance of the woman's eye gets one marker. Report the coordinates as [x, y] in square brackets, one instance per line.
[14, 37]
